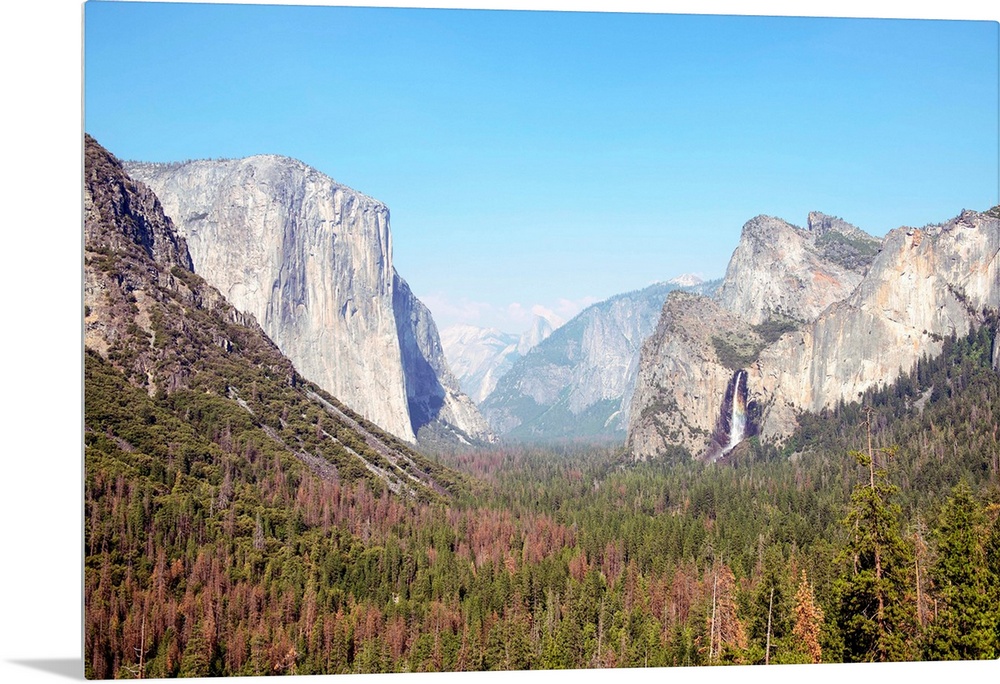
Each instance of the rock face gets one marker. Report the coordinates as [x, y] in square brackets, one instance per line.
[996, 350]
[540, 330]
[130, 248]
[151, 323]
[434, 400]
[579, 381]
[682, 381]
[121, 214]
[781, 272]
[922, 285]
[311, 260]
[481, 356]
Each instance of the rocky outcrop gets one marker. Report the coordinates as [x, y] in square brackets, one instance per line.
[685, 370]
[996, 350]
[540, 330]
[120, 214]
[783, 272]
[579, 381]
[311, 260]
[436, 404]
[922, 285]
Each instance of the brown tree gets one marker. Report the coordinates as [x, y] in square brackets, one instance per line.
[808, 620]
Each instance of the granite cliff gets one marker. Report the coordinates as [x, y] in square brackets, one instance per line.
[923, 285]
[806, 336]
[683, 374]
[311, 260]
[179, 384]
[439, 410]
[782, 272]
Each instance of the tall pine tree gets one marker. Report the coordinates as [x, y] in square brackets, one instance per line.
[877, 618]
[808, 620]
[965, 625]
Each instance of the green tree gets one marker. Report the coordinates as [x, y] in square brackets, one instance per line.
[876, 618]
[964, 628]
[195, 661]
[768, 623]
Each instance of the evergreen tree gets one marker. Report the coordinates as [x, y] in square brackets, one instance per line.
[964, 628]
[768, 623]
[195, 662]
[808, 620]
[992, 552]
[876, 617]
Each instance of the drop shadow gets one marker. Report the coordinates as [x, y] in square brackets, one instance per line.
[71, 668]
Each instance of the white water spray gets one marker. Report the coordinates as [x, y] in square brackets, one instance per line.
[738, 414]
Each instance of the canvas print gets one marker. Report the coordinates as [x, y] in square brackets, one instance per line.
[438, 340]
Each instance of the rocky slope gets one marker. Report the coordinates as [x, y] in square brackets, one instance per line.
[480, 356]
[996, 353]
[579, 381]
[152, 325]
[782, 272]
[311, 260]
[437, 407]
[921, 285]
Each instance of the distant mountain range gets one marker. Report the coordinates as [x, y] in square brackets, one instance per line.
[804, 317]
[578, 382]
[480, 356]
[810, 315]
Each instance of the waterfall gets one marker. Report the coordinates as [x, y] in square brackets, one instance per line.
[738, 411]
[735, 421]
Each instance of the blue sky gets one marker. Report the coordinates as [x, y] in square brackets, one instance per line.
[545, 160]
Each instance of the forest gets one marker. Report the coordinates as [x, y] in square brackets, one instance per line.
[872, 534]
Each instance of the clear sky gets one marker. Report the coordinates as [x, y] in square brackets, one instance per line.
[545, 160]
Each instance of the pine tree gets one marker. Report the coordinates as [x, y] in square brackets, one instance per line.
[876, 617]
[992, 552]
[768, 621]
[964, 628]
[195, 662]
[808, 620]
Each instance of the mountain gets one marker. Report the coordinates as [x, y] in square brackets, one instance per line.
[687, 280]
[924, 285]
[157, 332]
[480, 356]
[311, 260]
[540, 330]
[579, 381]
[782, 272]
[684, 371]
[439, 411]
[787, 320]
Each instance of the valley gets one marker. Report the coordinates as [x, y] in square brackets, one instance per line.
[286, 472]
